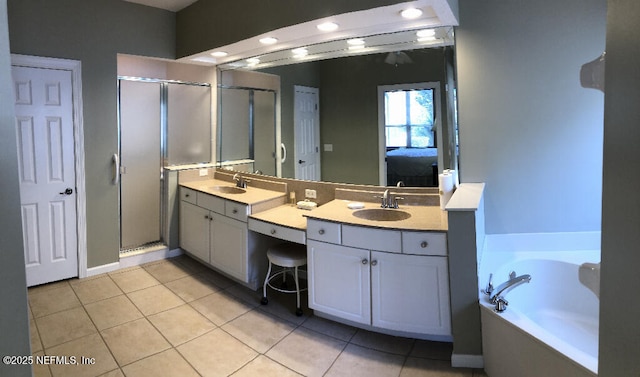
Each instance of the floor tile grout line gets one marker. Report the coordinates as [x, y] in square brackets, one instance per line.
[241, 299]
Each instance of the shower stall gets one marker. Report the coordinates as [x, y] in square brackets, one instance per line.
[162, 123]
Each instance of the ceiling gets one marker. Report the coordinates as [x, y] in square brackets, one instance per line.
[385, 28]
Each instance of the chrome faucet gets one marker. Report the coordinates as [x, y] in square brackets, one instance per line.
[496, 296]
[389, 200]
[240, 182]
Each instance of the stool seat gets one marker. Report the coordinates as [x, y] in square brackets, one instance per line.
[288, 255]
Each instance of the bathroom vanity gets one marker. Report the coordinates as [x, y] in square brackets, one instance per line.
[213, 227]
[384, 274]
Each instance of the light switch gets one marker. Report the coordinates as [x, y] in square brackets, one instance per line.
[328, 147]
[204, 172]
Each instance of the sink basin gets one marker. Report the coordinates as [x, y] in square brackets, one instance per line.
[228, 189]
[381, 214]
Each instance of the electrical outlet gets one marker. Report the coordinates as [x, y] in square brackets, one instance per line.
[311, 194]
[204, 172]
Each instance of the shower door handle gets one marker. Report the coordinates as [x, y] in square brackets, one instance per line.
[115, 171]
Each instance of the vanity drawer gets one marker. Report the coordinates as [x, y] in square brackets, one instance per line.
[236, 210]
[424, 243]
[188, 195]
[277, 231]
[372, 238]
[210, 202]
[323, 231]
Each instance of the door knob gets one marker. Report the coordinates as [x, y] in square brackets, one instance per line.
[68, 191]
[301, 161]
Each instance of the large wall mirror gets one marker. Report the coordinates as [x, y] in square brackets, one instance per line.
[376, 114]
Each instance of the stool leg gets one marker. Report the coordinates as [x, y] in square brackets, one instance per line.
[298, 309]
[265, 300]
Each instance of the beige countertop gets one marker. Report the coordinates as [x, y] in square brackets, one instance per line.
[252, 195]
[288, 215]
[422, 217]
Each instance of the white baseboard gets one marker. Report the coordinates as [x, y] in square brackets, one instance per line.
[135, 260]
[93, 271]
[467, 361]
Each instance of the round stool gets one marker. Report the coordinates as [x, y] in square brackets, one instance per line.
[288, 256]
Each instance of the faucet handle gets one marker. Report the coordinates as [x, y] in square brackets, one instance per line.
[395, 201]
[487, 291]
[501, 304]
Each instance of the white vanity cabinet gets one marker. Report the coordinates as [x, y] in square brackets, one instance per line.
[229, 246]
[410, 293]
[389, 289]
[214, 230]
[339, 281]
[194, 230]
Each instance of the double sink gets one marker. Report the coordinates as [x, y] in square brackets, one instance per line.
[373, 214]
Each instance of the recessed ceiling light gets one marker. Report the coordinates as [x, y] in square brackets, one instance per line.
[268, 40]
[411, 13]
[219, 54]
[356, 42]
[253, 61]
[426, 33]
[204, 59]
[327, 26]
[300, 52]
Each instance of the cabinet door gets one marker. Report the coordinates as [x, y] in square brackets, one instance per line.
[339, 281]
[194, 230]
[410, 293]
[229, 246]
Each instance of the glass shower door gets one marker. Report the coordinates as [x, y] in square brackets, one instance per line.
[141, 163]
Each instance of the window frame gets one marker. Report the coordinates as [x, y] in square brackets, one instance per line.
[437, 126]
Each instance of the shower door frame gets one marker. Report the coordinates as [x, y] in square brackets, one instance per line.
[163, 157]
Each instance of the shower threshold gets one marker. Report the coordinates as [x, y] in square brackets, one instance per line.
[142, 249]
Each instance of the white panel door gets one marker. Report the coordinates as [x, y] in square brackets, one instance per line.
[307, 133]
[45, 137]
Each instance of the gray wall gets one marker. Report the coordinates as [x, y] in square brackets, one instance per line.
[619, 299]
[14, 321]
[349, 107]
[527, 127]
[94, 32]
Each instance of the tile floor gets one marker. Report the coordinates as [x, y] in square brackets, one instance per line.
[178, 318]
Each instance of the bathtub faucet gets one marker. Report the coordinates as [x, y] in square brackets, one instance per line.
[496, 297]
